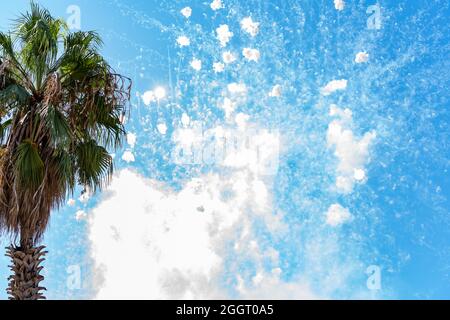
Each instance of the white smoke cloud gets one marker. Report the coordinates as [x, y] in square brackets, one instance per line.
[237, 88]
[337, 215]
[80, 215]
[276, 91]
[228, 57]
[148, 97]
[339, 5]
[216, 5]
[149, 241]
[176, 242]
[361, 57]
[196, 64]
[176, 239]
[183, 41]
[270, 286]
[224, 34]
[249, 26]
[131, 139]
[353, 154]
[128, 156]
[218, 67]
[186, 12]
[333, 86]
[251, 54]
[162, 128]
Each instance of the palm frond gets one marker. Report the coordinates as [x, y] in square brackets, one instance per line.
[4, 127]
[62, 166]
[14, 94]
[56, 123]
[94, 164]
[6, 46]
[11, 67]
[39, 33]
[29, 165]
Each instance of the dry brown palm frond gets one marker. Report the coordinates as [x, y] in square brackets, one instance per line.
[3, 66]
[52, 93]
[25, 211]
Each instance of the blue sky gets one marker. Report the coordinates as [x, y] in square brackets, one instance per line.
[360, 149]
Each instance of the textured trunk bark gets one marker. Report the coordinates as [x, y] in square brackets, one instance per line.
[24, 282]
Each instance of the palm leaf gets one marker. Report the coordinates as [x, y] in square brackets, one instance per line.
[29, 165]
[94, 164]
[39, 33]
[56, 123]
[64, 169]
[4, 128]
[15, 94]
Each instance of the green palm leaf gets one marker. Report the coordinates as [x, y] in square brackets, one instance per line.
[94, 164]
[4, 128]
[29, 165]
[14, 94]
[56, 123]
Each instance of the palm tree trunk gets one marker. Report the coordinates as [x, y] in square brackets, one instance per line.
[24, 282]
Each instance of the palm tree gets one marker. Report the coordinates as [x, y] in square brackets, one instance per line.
[61, 107]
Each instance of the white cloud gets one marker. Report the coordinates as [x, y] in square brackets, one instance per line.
[249, 26]
[194, 241]
[162, 128]
[218, 67]
[362, 57]
[261, 156]
[237, 88]
[216, 5]
[128, 156]
[276, 91]
[186, 12]
[160, 93]
[345, 115]
[131, 139]
[339, 5]
[80, 215]
[185, 120]
[228, 57]
[84, 197]
[241, 120]
[337, 215]
[269, 286]
[182, 236]
[162, 231]
[148, 97]
[228, 106]
[71, 202]
[333, 86]
[183, 41]
[186, 136]
[224, 34]
[359, 174]
[251, 54]
[352, 153]
[196, 64]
